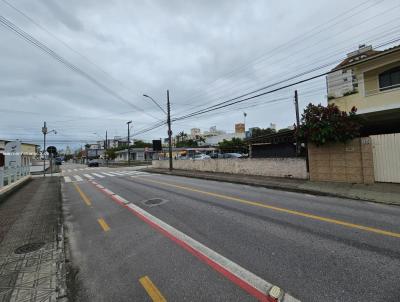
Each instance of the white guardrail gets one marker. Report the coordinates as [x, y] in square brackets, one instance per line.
[8, 175]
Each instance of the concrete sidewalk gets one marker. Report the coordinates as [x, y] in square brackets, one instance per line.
[379, 192]
[32, 256]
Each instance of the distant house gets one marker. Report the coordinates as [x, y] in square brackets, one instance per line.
[369, 80]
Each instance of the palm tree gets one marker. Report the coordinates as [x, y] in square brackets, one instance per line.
[181, 135]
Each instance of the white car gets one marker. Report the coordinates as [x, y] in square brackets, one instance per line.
[201, 157]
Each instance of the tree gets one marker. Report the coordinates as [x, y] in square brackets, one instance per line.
[320, 125]
[181, 136]
[187, 143]
[234, 144]
[111, 154]
[141, 144]
[258, 132]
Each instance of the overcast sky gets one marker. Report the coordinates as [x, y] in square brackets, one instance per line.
[204, 52]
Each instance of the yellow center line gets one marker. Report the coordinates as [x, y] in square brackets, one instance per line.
[152, 290]
[83, 195]
[284, 210]
[103, 224]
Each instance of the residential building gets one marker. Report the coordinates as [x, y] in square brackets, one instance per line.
[369, 80]
[213, 132]
[195, 132]
[240, 128]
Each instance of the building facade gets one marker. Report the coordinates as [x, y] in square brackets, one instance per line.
[369, 80]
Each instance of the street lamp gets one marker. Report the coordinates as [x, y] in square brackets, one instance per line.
[168, 113]
[45, 132]
[156, 103]
[129, 140]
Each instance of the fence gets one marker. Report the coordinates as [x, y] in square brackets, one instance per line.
[8, 175]
[274, 167]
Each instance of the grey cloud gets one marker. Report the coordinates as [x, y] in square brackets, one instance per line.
[202, 51]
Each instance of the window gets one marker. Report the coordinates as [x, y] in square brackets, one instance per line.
[390, 79]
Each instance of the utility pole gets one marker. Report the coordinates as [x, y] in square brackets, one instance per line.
[129, 140]
[169, 132]
[296, 104]
[105, 149]
[44, 131]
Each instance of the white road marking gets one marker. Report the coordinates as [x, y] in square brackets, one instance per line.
[138, 176]
[117, 173]
[69, 170]
[78, 178]
[108, 174]
[88, 176]
[121, 199]
[107, 191]
[75, 169]
[248, 277]
[98, 175]
[67, 179]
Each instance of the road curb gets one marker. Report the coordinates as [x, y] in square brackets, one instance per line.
[9, 189]
[269, 186]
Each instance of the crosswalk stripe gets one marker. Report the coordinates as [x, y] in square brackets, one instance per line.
[117, 173]
[67, 179]
[124, 172]
[78, 178]
[88, 176]
[75, 169]
[108, 174]
[98, 175]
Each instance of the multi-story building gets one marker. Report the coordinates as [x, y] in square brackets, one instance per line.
[369, 80]
[240, 128]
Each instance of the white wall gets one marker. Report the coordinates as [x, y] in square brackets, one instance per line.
[275, 167]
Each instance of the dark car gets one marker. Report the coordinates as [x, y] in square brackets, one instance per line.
[58, 161]
[93, 163]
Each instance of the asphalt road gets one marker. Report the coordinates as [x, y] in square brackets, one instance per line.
[186, 248]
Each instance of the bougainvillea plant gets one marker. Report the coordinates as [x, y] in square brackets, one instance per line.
[320, 124]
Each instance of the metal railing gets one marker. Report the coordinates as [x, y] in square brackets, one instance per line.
[11, 174]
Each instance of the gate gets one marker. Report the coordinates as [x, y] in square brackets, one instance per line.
[386, 153]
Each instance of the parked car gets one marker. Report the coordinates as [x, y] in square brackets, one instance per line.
[231, 155]
[93, 163]
[201, 157]
[58, 161]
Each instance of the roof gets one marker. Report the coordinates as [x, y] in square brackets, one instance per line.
[274, 138]
[359, 56]
[22, 143]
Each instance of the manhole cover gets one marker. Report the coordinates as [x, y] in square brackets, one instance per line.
[154, 202]
[29, 248]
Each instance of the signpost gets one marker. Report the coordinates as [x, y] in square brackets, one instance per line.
[51, 150]
[1, 170]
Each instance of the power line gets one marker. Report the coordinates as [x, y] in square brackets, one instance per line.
[301, 37]
[305, 48]
[240, 99]
[27, 37]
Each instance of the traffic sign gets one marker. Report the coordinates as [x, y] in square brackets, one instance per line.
[51, 150]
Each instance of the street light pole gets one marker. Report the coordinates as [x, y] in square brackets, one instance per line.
[169, 131]
[45, 132]
[168, 113]
[129, 140]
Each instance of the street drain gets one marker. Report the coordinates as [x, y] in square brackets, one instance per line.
[29, 248]
[154, 202]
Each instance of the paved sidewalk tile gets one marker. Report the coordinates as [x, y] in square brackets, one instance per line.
[30, 219]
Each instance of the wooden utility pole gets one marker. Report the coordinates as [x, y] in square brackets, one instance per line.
[296, 104]
[169, 132]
